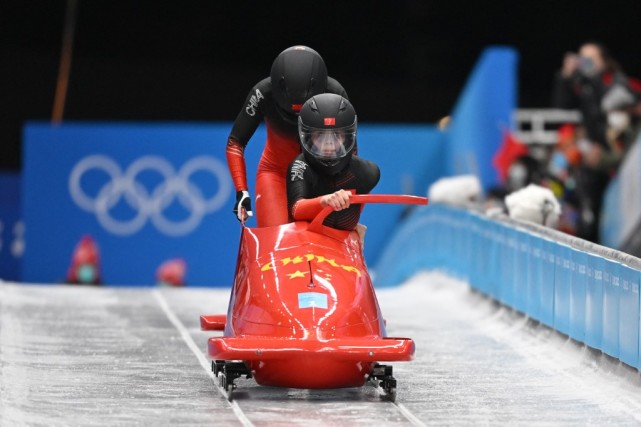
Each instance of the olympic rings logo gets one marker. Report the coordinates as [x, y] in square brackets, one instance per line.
[125, 186]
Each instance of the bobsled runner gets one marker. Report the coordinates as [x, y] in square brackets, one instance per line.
[303, 312]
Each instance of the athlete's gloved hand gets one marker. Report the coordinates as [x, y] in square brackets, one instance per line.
[243, 206]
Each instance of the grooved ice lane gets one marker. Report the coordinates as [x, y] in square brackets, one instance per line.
[113, 356]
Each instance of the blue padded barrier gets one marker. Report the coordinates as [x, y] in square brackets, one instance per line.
[488, 258]
[508, 243]
[521, 271]
[467, 242]
[474, 242]
[500, 240]
[589, 292]
[445, 238]
[611, 309]
[534, 278]
[482, 271]
[578, 295]
[562, 284]
[594, 302]
[628, 313]
[546, 295]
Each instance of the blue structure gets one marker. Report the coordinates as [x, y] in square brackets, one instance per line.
[147, 193]
[585, 291]
[482, 114]
[11, 227]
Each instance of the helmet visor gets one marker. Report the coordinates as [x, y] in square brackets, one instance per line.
[327, 144]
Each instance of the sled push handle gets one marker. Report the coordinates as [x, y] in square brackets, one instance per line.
[317, 223]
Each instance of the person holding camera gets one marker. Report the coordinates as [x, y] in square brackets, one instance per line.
[581, 83]
[583, 80]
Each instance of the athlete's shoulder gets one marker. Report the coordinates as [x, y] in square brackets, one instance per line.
[364, 163]
[333, 86]
[366, 169]
[260, 93]
[298, 168]
[262, 89]
[265, 85]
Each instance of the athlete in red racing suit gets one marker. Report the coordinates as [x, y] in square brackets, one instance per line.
[297, 74]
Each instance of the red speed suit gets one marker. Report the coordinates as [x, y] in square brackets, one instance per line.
[281, 148]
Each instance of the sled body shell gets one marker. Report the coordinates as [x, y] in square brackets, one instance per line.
[303, 312]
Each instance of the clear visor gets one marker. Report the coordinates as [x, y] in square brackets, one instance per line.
[327, 144]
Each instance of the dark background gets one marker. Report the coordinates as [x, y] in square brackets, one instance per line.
[400, 61]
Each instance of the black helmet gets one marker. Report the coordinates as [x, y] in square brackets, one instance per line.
[327, 132]
[298, 73]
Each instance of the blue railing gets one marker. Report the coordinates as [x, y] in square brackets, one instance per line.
[586, 291]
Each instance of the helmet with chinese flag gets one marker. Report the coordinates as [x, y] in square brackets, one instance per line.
[327, 131]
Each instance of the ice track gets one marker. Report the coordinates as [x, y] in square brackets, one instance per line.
[115, 356]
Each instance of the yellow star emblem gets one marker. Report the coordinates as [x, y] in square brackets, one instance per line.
[298, 273]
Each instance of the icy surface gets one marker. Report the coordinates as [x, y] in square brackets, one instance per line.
[113, 356]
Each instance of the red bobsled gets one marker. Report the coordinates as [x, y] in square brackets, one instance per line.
[303, 312]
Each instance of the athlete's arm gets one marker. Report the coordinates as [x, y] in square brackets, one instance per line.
[248, 119]
[235, 154]
[307, 209]
[246, 123]
[303, 205]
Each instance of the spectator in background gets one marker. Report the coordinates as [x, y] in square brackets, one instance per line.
[583, 81]
[621, 105]
[171, 273]
[523, 171]
[85, 263]
[516, 168]
[581, 84]
[562, 175]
